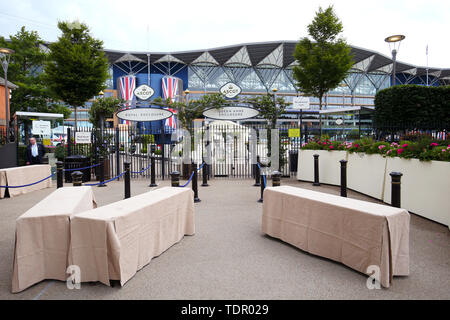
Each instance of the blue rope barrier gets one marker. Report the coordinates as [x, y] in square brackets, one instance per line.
[93, 166]
[30, 184]
[189, 181]
[201, 166]
[139, 172]
[99, 183]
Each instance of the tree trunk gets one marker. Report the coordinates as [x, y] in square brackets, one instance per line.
[320, 117]
[76, 122]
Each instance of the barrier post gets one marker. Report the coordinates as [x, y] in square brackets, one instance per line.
[77, 177]
[262, 185]
[276, 179]
[205, 175]
[59, 174]
[343, 178]
[152, 172]
[195, 181]
[127, 180]
[316, 170]
[395, 189]
[175, 178]
[257, 173]
[102, 171]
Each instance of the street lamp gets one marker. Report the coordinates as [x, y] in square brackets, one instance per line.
[395, 41]
[5, 56]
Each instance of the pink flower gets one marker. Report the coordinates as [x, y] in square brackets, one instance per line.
[356, 145]
[399, 151]
[405, 145]
[389, 151]
[434, 144]
[331, 147]
[381, 146]
[443, 150]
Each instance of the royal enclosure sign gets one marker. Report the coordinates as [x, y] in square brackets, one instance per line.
[230, 90]
[144, 92]
[236, 112]
[299, 103]
[144, 114]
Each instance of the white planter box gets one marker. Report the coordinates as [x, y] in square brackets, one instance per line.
[425, 187]
[329, 166]
[365, 174]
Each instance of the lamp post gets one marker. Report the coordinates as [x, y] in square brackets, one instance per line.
[5, 56]
[395, 41]
[274, 90]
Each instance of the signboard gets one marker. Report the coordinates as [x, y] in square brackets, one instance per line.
[299, 103]
[144, 92]
[230, 90]
[41, 127]
[236, 112]
[294, 133]
[82, 137]
[144, 114]
[339, 122]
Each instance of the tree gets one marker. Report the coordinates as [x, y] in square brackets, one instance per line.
[324, 62]
[102, 108]
[267, 107]
[77, 68]
[25, 71]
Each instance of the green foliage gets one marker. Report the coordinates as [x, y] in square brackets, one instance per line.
[25, 71]
[103, 108]
[423, 149]
[413, 107]
[267, 107]
[60, 152]
[324, 61]
[77, 67]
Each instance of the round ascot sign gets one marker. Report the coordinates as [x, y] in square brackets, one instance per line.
[230, 90]
[236, 112]
[144, 92]
[144, 114]
[339, 121]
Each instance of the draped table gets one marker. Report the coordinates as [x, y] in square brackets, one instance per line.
[356, 233]
[18, 176]
[43, 236]
[113, 242]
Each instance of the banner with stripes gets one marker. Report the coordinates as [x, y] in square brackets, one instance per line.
[171, 88]
[126, 86]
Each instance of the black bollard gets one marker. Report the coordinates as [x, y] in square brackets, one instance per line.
[127, 179]
[276, 179]
[175, 178]
[316, 170]
[205, 175]
[395, 189]
[257, 173]
[195, 181]
[343, 178]
[77, 177]
[102, 171]
[152, 172]
[263, 186]
[59, 174]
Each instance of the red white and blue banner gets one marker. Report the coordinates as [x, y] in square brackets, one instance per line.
[126, 86]
[171, 88]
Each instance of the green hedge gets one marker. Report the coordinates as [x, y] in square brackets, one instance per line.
[413, 107]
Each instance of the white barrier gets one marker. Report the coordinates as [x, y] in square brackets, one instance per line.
[425, 184]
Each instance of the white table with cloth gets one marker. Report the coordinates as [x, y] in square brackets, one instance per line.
[113, 242]
[43, 236]
[354, 232]
[19, 176]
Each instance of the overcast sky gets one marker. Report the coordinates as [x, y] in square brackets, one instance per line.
[160, 26]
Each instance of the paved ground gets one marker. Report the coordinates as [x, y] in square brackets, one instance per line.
[229, 257]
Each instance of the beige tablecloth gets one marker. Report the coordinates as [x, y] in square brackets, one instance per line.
[24, 175]
[43, 236]
[353, 232]
[113, 242]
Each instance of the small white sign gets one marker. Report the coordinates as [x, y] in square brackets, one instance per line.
[144, 92]
[82, 137]
[144, 114]
[300, 103]
[41, 128]
[231, 113]
[339, 122]
[230, 90]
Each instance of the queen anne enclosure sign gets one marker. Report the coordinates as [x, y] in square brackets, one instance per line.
[230, 90]
[144, 92]
[234, 112]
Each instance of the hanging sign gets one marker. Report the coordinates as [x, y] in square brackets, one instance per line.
[294, 133]
[144, 92]
[41, 127]
[236, 112]
[299, 103]
[144, 114]
[230, 90]
[82, 137]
